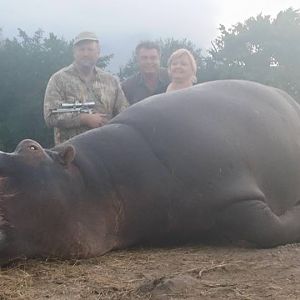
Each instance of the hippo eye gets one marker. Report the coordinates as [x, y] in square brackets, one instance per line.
[33, 147]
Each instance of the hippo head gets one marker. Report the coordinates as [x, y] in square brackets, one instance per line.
[35, 187]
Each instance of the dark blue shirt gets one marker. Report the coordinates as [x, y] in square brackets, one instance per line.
[136, 90]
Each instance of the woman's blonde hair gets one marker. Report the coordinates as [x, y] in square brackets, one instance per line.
[180, 52]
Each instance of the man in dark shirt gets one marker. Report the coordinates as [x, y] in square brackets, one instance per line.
[151, 79]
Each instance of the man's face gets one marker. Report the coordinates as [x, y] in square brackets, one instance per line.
[148, 60]
[86, 53]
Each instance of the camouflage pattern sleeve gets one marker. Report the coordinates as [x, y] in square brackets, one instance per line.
[54, 96]
[121, 102]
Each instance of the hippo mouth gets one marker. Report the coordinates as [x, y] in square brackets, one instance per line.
[6, 190]
[2, 223]
[3, 181]
[2, 238]
[2, 177]
[3, 187]
[4, 194]
[4, 260]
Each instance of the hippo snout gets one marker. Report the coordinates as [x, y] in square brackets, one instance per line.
[6, 163]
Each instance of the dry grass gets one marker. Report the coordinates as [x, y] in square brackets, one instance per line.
[176, 273]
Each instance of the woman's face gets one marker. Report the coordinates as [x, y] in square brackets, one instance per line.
[181, 68]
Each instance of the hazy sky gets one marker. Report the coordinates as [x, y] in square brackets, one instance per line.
[121, 24]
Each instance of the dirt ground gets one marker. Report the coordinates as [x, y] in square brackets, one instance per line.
[191, 272]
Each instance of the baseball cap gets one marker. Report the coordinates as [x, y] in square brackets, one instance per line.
[85, 35]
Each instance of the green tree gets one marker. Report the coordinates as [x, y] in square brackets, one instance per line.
[260, 49]
[167, 46]
[26, 64]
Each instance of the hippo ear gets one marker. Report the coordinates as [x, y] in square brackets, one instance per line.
[67, 154]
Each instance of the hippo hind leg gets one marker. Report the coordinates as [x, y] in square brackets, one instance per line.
[255, 222]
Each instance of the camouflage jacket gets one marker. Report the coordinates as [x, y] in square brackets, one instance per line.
[66, 86]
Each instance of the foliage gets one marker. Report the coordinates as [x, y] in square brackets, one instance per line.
[167, 46]
[260, 49]
[26, 64]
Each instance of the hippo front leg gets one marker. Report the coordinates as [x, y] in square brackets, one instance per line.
[255, 222]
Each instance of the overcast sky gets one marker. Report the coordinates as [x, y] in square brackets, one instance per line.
[121, 24]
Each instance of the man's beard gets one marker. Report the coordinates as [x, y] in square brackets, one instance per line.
[86, 63]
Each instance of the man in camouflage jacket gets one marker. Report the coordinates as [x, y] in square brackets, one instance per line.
[82, 82]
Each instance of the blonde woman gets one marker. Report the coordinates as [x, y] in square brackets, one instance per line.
[182, 70]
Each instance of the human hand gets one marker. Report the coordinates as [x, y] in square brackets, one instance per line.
[93, 120]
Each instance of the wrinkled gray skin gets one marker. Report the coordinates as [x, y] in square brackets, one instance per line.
[221, 158]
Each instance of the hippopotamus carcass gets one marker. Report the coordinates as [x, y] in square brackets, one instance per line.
[219, 159]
